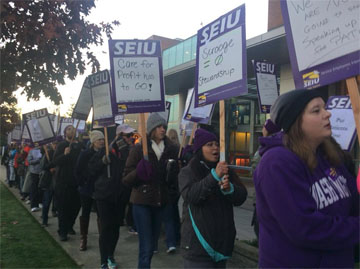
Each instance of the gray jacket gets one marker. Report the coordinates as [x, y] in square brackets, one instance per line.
[34, 159]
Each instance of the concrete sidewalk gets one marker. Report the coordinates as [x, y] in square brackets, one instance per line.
[127, 248]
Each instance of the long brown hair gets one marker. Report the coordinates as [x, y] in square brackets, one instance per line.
[295, 141]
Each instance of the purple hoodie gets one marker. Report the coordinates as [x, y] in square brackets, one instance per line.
[307, 220]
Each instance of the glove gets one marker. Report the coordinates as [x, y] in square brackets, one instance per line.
[106, 159]
[144, 170]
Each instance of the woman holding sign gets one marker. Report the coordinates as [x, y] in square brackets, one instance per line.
[150, 185]
[306, 200]
[210, 190]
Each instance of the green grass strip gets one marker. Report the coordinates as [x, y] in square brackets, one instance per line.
[23, 242]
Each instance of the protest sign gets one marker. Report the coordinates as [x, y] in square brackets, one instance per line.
[267, 86]
[74, 122]
[323, 39]
[166, 114]
[83, 105]
[15, 134]
[221, 59]
[342, 121]
[119, 119]
[25, 137]
[201, 114]
[39, 126]
[137, 76]
[101, 99]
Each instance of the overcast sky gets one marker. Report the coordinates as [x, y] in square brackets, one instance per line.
[142, 18]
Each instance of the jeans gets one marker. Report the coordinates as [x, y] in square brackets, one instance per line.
[171, 219]
[21, 184]
[148, 223]
[47, 197]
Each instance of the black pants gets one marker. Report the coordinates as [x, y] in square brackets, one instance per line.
[86, 205]
[34, 191]
[110, 218]
[197, 264]
[68, 207]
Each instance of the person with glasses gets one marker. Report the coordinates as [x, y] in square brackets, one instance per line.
[210, 191]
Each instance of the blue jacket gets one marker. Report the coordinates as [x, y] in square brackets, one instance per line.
[34, 158]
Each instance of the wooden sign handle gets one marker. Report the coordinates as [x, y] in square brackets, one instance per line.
[222, 129]
[107, 150]
[73, 137]
[143, 136]
[353, 90]
[192, 133]
[182, 143]
[46, 153]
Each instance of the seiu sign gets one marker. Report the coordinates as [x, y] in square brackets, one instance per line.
[340, 102]
[135, 47]
[36, 114]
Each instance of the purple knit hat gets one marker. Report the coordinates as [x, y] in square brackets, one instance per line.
[271, 127]
[201, 138]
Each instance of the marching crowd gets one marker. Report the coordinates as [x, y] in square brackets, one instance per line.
[307, 205]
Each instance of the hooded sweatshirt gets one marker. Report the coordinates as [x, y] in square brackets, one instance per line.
[307, 219]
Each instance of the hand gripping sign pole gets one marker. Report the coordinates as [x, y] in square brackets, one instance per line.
[353, 90]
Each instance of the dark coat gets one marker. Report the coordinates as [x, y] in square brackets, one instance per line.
[156, 191]
[83, 178]
[108, 189]
[211, 209]
[65, 167]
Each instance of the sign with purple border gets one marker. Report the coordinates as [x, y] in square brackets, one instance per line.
[342, 121]
[16, 134]
[267, 86]
[201, 114]
[69, 121]
[323, 39]
[101, 99]
[137, 76]
[25, 137]
[221, 59]
[39, 126]
[83, 104]
[166, 114]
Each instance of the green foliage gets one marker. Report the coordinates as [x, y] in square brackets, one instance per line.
[24, 244]
[42, 43]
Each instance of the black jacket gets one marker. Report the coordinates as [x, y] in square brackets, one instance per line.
[108, 189]
[83, 177]
[65, 167]
[212, 211]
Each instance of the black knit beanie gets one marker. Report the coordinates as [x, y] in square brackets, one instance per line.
[289, 106]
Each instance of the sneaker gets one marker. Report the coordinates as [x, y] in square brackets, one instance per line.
[104, 266]
[171, 250]
[44, 225]
[63, 237]
[111, 264]
[155, 251]
[40, 206]
[34, 209]
[132, 231]
[27, 202]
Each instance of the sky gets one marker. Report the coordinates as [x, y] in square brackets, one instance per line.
[141, 19]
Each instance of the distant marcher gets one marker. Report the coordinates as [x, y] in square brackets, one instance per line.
[86, 183]
[67, 198]
[210, 191]
[149, 186]
[12, 153]
[269, 128]
[34, 158]
[19, 164]
[306, 200]
[109, 194]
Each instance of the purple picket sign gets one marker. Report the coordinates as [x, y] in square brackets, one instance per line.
[103, 106]
[323, 40]
[201, 114]
[39, 127]
[342, 121]
[136, 76]
[266, 83]
[221, 59]
[83, 105]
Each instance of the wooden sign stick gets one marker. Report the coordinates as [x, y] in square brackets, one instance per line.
[182, 143]
[46, 153]
[222, 129]
[107, 149]
[192, 133]
[355, 101]
[143, 136]
[72, 139]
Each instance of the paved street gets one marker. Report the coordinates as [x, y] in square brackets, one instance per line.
[127, 248]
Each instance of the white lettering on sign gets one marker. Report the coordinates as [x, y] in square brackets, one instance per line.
[101, 77]
[340, 103]
[219, 26]
[265, 68]
[36, 114]
[135, 48]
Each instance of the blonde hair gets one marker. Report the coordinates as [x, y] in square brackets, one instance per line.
[295, 141]
[173, 136]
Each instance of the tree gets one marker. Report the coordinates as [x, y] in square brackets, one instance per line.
[42, 43]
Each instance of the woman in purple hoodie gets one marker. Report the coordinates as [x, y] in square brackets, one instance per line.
[307, 203]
